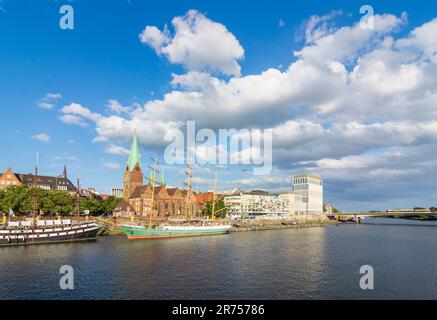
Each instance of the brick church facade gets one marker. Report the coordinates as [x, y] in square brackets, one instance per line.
[168, 202]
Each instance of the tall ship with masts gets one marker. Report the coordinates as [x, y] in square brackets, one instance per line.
[42, 231]
[188, 227]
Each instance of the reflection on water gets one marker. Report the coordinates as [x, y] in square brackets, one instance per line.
[316, 263]
[399, 221]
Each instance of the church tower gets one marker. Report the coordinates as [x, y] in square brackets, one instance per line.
[133, 175]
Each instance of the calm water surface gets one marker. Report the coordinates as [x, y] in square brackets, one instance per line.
[316, 263]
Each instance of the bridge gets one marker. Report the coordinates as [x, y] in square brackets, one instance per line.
[356, 216]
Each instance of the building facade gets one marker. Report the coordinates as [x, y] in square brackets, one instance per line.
[117, 192]
[306, 198]
[8, 179]
[161, 201]
[62, 183]
[167, 202]
[253, 204]
[293, 202]
[203, 198]
[311, 188]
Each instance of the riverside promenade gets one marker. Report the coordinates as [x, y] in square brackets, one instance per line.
[278, 224]
[112, 225]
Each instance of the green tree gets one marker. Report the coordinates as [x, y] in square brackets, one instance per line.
[109, 205]
[59, 202]
[20, 199]
[2, 196]
[93, 205]
[220, 209]
[17, 198]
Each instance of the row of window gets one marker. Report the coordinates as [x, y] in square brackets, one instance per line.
[45, 187]
[8, 183]
[306, 180]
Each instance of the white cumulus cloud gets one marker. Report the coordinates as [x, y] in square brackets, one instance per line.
[356, 106]
[111, 165]
[118, 150]
[198, 43]
[49, 100]
[44, 137]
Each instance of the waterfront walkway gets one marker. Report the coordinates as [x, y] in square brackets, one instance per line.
[112, 225]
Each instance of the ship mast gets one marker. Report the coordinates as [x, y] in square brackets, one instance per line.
[215, 200]
[214, 196]
[35, 194]
[78, 198]
[153, 181]
[189, 174]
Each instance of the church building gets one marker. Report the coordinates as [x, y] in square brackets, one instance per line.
[168, 202]
[133, 175]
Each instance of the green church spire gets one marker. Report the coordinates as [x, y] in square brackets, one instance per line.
[134, 155]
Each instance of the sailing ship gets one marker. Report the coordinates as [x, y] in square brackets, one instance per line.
[174, 228]
[33, 231]
[134, 232]
[47, 231]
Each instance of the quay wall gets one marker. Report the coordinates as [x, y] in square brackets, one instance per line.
[309, 221]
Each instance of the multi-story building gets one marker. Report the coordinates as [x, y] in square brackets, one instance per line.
[44, 182]
[310, 186]
[233, 203]
[8, 179]
[306, 198]
[117, 192]
[254, 204]
[293, 202]
[91, 193]
[203, 198]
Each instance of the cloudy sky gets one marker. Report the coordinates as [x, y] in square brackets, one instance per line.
[357, 106]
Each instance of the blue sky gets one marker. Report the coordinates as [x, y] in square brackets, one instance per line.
[103, 59]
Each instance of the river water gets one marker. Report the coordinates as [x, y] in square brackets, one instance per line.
[313, 263]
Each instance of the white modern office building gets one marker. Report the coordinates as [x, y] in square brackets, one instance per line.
[117, 192]
[293, 202]
[305, 198]
[310, 186]
[251, 204]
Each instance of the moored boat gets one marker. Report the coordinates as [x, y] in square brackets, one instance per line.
[134, 232]
[40, 231]
[174, 228]
[47, 231]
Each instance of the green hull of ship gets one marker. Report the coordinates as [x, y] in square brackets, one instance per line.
[135, 233]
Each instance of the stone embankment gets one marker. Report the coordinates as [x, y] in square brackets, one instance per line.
[111, 226]
[262, 225]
